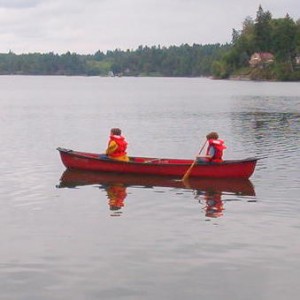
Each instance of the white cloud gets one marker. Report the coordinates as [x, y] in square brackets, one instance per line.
[19, 4]
[85, 26]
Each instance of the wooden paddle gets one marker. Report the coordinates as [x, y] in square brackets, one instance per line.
[187, 173]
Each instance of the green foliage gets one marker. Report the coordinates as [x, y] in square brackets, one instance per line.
[284, 38]
[42, 64]
[281, 37]
[266, 73]
[185, 60]
[95, 67]
[220, 69]
[262, 31]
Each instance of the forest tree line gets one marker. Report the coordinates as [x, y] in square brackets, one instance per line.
[281, 37]
[184, 60]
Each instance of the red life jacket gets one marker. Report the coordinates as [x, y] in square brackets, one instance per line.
[218, 146]
[121, 143]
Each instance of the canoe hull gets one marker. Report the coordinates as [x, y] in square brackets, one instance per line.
[155, 166]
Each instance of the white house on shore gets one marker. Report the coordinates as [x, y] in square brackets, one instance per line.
[261, 58]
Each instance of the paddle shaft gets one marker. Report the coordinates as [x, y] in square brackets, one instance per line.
[187, 173]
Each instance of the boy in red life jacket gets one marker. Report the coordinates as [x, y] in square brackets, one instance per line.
[117, 145]
[214, 152]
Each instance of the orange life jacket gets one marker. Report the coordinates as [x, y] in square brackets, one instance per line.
[218, 146]
[121, 143]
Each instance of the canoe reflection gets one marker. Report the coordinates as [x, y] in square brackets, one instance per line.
[207, 191]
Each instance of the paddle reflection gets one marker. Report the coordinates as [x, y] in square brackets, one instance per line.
[208, 192]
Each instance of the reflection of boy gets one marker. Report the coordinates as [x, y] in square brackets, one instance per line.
[116, 194]
[213, 203]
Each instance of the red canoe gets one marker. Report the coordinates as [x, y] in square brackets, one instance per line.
[158, 166]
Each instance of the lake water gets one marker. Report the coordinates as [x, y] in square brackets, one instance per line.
[67, 236]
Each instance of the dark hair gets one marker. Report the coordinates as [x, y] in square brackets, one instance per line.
[116, 131]
[212, 136]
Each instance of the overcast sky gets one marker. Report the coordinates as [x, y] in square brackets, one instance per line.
[86, 26]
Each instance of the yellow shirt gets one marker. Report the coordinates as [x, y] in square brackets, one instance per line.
[112, 147]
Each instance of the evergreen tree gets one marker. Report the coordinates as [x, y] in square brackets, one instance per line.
[262, 31]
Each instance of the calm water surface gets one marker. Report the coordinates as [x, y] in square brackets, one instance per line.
[69, 236]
